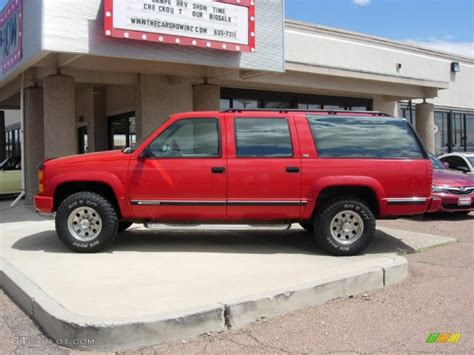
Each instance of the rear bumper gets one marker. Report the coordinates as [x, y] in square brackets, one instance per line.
[44, 204]
[449, 203]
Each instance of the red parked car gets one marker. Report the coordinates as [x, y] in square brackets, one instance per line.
[455, 189]
[334, 172]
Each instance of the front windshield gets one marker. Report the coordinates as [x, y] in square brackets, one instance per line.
[132, 148]
[471, 160]
[436, 163]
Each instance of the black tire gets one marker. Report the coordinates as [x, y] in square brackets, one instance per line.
[462, 213]
[123, 226]
[341, 244]
[309, 226]
[87, 203]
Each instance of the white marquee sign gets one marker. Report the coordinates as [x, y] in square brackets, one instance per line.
[224, 24]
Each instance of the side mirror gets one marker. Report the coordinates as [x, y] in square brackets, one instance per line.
[446, 165]
[145, 154]
[464, 169]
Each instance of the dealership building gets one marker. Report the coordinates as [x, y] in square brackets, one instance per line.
[91, 75]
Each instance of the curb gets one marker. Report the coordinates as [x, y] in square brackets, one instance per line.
[67, 328]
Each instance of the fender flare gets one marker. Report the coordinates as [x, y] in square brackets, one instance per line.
[108, 179]
[341, 181]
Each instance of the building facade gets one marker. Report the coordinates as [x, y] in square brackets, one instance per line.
[92, 75]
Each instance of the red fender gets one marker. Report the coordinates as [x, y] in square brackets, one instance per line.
[339, 181]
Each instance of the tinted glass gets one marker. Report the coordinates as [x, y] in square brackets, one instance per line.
[188, 138]
[455, 162]
[363, 137]
[305, 106]
[258, 137]
[244, 104]
[470, 134]
[277, 104]
[436, 163]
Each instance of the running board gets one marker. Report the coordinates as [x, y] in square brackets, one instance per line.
[218, 227]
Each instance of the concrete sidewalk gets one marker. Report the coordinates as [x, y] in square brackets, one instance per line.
[154, 287]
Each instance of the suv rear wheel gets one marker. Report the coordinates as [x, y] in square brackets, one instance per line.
[344, 226]
[86, 222]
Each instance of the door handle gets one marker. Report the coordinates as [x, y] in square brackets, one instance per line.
[292, 169]
[218, 170]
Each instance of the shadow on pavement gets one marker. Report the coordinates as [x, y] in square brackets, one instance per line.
[446, 217]
[20, 213]
[252, 242]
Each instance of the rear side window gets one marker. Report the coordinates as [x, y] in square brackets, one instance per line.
[364, 137]
[263, 137]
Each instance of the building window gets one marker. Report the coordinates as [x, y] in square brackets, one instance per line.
[13, 141]
[254, 99]
[244, 104]
[277, 104]
[305, 106]
[454, 130]
[459, 132]
[122, 131]
[469, 133]
[441, 132]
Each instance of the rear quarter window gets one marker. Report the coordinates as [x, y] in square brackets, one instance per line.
[364, 137]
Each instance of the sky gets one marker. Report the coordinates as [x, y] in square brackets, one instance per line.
[440, 24]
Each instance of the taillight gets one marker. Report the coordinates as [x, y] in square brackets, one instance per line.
[40, 181]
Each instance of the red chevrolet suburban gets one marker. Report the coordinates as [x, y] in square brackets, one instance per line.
[334, 172]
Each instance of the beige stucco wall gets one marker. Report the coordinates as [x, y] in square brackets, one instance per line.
[84, 106]
[335, 48]
[461, 89]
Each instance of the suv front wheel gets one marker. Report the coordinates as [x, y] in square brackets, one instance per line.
[344, 226]
[86, 222]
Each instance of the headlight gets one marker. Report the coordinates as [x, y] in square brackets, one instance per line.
[435, 188]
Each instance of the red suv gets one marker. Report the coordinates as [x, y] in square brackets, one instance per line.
[334, 172]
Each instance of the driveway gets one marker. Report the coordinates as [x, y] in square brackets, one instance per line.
[437, 297]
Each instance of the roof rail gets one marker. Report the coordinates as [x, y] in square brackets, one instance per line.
[375, 113]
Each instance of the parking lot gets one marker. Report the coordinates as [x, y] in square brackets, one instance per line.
[399, 316]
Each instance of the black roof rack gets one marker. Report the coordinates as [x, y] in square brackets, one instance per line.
[286, 110]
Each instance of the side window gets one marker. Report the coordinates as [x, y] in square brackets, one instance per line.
[455, 162]
[11, 164]
[364, 137]
[262, 138]
[188, 138]
[463, 163]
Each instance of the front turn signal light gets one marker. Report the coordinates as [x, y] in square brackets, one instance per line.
[40, 181]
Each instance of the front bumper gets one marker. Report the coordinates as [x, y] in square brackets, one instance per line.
[44, 204]
[449, 202]
[435, 204]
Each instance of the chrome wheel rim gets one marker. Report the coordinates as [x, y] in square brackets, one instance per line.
[84, 224]
[347, 227]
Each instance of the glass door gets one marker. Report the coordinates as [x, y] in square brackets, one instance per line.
[122, 131]
[83, 141]
[459, 132]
